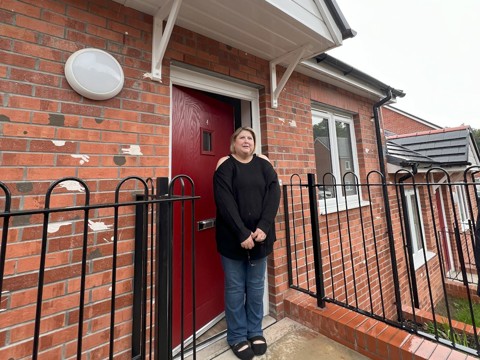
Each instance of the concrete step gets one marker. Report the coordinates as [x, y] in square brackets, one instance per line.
[287, 340]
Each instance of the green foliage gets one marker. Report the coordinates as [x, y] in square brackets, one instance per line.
[461, 311]
[476, 136]
[446, 332]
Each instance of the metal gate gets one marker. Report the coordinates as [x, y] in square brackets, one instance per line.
[80, 279]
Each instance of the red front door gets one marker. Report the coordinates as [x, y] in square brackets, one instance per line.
[201, 130]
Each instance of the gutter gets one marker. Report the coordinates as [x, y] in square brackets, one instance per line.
[349, 70]
[345, 29]
[376, 117]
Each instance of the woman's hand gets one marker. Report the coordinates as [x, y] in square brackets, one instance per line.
[259, 235]
[248, 243]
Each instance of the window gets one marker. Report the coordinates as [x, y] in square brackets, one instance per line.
[206, 142]
[417, 233]
[335, 159]
[460, 198]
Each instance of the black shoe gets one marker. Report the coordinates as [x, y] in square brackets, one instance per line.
[243, 350]
[259, 345]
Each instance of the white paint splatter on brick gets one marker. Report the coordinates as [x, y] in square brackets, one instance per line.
[72, 185]
[83, 158]
[292, 123]
[59, 142]
[98, 226]
[108, 241]
[54, 227]
[132, 150]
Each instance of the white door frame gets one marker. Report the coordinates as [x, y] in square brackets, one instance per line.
[204, 82]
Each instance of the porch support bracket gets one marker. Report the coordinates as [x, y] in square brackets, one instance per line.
[161, 36]
[295, 57]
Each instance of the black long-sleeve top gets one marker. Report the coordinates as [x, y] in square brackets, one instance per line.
[247, 196]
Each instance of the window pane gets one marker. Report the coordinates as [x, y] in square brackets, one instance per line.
[207, 141]
[323, 157]
[462, 203]
[345, 156]
[416, 225]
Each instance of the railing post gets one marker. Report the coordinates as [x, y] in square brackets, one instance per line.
[409, 245]
[163, 278]
[139, 285]
[391, 243]
[317, 254]
[287, 230]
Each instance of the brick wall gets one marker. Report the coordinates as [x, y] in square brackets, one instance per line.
[401, 124]
[50, 132]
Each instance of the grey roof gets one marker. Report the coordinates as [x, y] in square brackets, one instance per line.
[403, 156]
[447, 147]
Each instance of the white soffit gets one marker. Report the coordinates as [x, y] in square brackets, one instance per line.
[335, 77]
[268, 29]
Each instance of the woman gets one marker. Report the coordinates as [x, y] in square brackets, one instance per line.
[247, 195]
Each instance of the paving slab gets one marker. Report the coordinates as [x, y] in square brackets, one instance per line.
[288, 340]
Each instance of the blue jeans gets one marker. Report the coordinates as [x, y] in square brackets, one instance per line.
[244, 287]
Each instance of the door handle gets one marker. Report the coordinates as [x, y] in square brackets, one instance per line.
[206, 224]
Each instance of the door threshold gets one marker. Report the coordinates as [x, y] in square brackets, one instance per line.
[217, 344]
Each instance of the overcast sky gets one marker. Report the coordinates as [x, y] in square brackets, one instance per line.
[430, 49]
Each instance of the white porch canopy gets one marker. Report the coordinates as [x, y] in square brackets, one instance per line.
[284, 32]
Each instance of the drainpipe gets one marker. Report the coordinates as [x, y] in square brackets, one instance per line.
[408, 233]
[376, 116]
[381, 159]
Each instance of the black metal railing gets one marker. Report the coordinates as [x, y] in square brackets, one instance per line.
[396, 271]
[452, 268]
[80, 279]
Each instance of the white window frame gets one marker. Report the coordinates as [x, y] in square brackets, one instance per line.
[461, 201]
[418, 254]
[338, 204]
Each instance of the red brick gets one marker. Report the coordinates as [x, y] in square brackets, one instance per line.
[34, 77]
[20, 8]
[89, 40]
[39, 25]
[85, 16]
[457, 355]
[11, 159]
[17, 351]
[17, 59]
[49, 173]
[24, 102]
[41, 52]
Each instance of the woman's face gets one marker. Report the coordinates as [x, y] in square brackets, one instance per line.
[244, 144]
